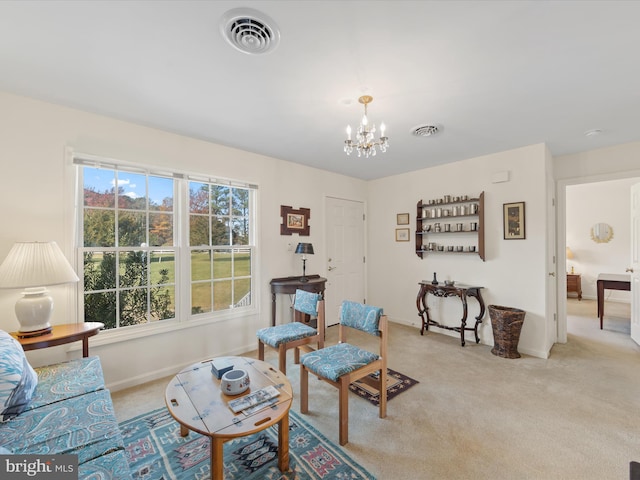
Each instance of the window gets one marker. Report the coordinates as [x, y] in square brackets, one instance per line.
[133, 250]
[218, 227]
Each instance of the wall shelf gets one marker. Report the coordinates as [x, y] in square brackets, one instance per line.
[442, 227]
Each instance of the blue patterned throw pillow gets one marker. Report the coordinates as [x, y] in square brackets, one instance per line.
[17, 379]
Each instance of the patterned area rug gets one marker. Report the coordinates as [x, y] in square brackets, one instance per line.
[156, 451]
[396, 384]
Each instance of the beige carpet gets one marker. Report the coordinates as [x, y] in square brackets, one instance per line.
[473, 415]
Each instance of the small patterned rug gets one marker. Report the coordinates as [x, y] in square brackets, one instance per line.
[156, 451]
[396, 384]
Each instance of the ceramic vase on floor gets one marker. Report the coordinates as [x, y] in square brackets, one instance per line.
[506, 323]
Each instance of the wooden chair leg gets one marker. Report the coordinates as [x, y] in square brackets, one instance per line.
[304, 390]
[282, 358]
[296, 355]
[343, 409]
[383, 392]
[260, 350]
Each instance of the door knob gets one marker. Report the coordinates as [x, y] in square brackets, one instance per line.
[629, 270]
[552, 274]
[331, 268]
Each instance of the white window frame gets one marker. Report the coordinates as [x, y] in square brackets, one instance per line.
[183, 316]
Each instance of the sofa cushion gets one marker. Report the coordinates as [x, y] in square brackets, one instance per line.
[113, 466]
[85, 425]
[17, 379]
[66, 380]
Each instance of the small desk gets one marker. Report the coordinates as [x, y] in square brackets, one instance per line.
[458, 290]
[195, 401]
[612, 281]
[289, 285]
[61, 334]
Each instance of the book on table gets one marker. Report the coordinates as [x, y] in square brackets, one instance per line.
[253, 399]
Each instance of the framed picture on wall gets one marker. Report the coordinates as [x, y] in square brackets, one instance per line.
[513, 221]
[402, 234]
[294, 220]
[402, 219]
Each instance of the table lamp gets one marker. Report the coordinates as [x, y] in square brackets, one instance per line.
[570, 257]
[33, 266]
[305, 249]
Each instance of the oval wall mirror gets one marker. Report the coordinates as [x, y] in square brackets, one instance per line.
[601, 233]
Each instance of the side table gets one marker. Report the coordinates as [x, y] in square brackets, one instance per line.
[574, 284]
[458, 290]
[61, 334]
[314, 284]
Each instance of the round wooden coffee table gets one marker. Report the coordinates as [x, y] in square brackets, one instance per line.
[195, 401]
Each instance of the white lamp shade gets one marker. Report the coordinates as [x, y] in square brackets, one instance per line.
[35, 264]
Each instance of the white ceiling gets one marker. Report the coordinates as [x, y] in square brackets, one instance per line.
[493, 75]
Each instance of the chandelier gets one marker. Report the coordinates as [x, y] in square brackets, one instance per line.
[365, 143]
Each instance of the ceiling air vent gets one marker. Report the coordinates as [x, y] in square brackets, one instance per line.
[424, 130]
[250, 31]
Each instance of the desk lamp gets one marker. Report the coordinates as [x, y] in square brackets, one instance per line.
[305, 249]
[33, 266]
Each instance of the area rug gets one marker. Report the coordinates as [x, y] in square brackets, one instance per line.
[156, 451]
[396, 384]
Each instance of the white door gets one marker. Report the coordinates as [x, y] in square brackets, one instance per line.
[635, 263]
[345, 255]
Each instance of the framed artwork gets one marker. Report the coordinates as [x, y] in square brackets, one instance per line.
[513, 221]
[402, 234]
[402, 219]
[294, 221]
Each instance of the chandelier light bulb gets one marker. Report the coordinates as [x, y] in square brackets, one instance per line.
[382, 129]
[348, 132]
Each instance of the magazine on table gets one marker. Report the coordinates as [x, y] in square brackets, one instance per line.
[257, 398]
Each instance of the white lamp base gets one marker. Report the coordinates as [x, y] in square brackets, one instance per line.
[34, 311]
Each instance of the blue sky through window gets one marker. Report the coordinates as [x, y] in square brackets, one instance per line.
[133, 184]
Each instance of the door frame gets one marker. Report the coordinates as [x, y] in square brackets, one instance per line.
[561, 236]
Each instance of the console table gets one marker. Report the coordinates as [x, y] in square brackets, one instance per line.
[289, 285]
[612, 281]
[458, 290]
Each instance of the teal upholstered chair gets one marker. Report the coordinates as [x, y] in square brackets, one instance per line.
[344, 363]
[296, 334]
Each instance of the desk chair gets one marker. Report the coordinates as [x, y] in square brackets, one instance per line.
[295, 334]
[341, 364]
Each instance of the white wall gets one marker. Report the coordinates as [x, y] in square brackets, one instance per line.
[36, 195]
[36, 186]
[601, 202]
[514, 273]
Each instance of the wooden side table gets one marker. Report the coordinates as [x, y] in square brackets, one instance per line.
[574, 284]
[61, 334]
[314, 284]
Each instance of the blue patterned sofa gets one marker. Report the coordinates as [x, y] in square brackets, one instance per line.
[69, 411]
